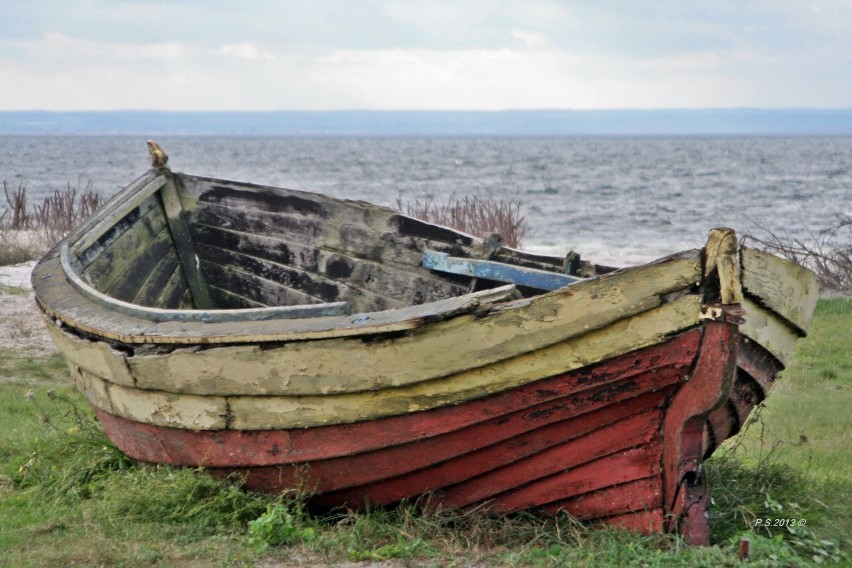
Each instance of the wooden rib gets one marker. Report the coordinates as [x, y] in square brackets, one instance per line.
[184, 246]
[782, 286]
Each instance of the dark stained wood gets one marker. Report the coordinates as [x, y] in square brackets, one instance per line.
[248, 286]
[128, 284]
[255, 268]
[152, 287]
[375, 286]
[126, 249]
[94, 250]
[173, 290]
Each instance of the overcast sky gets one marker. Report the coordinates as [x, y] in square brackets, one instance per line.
[435, 54]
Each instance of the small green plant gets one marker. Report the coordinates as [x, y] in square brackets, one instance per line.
[283, 523]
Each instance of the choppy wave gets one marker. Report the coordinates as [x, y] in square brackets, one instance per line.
[616, 200]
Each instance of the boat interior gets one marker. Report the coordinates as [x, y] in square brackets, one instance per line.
[178, 242]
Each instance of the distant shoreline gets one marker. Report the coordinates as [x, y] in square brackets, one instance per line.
[664, 122]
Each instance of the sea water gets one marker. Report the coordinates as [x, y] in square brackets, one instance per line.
[615, 200]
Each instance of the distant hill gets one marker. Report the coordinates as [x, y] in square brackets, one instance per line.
[736, 122]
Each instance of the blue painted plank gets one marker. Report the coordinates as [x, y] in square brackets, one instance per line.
[490, 270]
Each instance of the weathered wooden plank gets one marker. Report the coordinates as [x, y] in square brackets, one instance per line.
[579, 466]
[325, 367]
[544, 401]
[271, 412]
[490, 270]
[589, 305]
[124, 251]
[224, 299]
[255, 288]
[160, 408]
[200, 191]
[173, 290]
[127, 285]
[311, 285]
[394, 478]
[60, 299]
[287, 228]
[769, 331]
[643, 522]
[784, 287]
[119, 206]
[95, 389]
[90, 253]
[184, 246]
[639, 495]
[377, 286]
[97, 358]
[152, 287]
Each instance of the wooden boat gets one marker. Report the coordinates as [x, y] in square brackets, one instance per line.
[362, 355]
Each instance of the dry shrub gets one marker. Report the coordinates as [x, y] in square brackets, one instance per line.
[828, 254]
[27, 232]
[473, 214]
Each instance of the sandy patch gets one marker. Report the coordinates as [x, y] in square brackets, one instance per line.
[21, 327]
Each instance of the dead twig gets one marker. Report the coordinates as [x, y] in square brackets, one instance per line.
[828, 254]
[477, 215]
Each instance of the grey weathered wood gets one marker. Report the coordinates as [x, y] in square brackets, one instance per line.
[125, 250]
[153, 286]
[184, 247]
[254, 288]
[122, 308]
[376, 285]
[92, 252]
[63, 300]
[119, 205]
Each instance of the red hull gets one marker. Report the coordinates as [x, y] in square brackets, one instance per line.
[614, 441]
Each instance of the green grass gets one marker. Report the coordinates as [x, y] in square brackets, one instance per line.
[67, 496]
